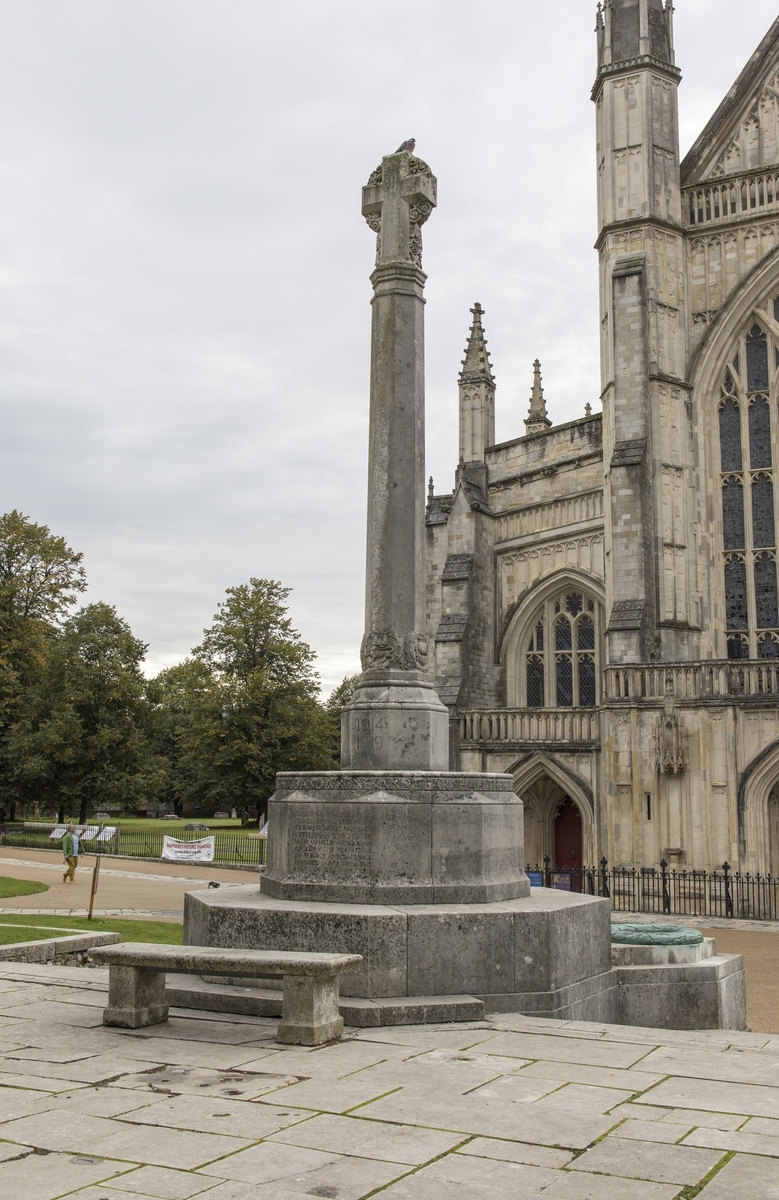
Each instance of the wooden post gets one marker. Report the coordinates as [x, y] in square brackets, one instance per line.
[95, 878]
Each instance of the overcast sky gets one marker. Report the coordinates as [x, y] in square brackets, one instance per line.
[184, 294]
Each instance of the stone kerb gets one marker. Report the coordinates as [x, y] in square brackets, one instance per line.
[396, 838]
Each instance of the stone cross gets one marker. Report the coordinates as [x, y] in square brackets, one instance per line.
[397, 200]
[395, 719]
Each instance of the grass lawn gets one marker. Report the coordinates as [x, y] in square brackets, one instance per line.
[20, 887]
[11, 934]
[128, 823]
[168, 932]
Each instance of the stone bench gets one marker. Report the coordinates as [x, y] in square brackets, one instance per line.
[136, 984]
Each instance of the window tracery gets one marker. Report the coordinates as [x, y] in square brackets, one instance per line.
[748, 430]
[561, 656]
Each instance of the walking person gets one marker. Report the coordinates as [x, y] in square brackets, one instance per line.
[71, 850]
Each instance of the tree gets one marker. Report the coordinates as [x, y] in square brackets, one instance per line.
[337, 699]
[184, 701]
[40, 576]
[251, 638]
[86, 737]
[245, 705]
[40, 579]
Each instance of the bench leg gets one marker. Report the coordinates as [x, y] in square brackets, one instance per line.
[136, 997]
[311, 1015]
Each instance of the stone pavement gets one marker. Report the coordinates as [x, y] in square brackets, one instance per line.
[511, 1107]
[128, 887]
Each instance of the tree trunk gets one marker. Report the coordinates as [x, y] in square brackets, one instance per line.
[82, 812]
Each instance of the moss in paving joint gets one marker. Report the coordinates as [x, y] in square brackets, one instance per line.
[689, 1193]
[347, 1112]
[422, 1166]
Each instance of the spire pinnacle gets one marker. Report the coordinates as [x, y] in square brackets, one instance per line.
[477, 367]
[537, 421]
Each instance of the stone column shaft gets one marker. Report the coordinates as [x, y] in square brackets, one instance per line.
[394, 583]
[395, 720]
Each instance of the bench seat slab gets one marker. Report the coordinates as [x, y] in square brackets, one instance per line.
[136, 997]
[310, 1016]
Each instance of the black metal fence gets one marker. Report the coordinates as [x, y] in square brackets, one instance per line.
[721, 893]
[231, 847]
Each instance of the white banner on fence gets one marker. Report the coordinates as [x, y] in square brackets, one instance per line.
[198, 850]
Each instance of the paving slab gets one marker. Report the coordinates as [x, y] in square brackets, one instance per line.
[745, 1141]
[752, 1101]
[205, 1081]
[561, 1048]
[369, 1139]
[44, 1177]
[709, 1120]
[346, 1178]
[519, 1152]
[654, 1161]
[457, 1175]
[162, 1183]
[268, 1162]
[209, 1114]
[731, 1066]
[521, 1122]
[613, 1077]
[601, 1187]
[745, 1177]
[56, 1130]
[654, 1131]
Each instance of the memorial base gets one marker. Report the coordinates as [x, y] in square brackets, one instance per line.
[547, 954]
[395, 837]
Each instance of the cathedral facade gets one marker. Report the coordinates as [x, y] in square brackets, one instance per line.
[602, 595]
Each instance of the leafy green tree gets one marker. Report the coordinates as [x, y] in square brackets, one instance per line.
[185, 702]
[86, 738]
[245, 705]
[40, 579]
[337, 699]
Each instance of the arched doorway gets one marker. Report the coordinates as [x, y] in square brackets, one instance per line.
[773, 830]
[568, 841]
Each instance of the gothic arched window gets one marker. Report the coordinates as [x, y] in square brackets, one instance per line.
[759, 432]
[566, 671]
[736, 614]
[768, 646]
[763, 523]
[766, 602]
[748, 450]
[730, 433]
[733, 513]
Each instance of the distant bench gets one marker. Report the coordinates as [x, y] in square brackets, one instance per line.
[136, 984]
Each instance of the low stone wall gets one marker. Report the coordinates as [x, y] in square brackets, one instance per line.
[71, 949]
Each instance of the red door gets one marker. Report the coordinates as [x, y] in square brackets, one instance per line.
[568, 840]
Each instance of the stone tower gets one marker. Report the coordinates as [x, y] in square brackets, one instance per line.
[652, 600]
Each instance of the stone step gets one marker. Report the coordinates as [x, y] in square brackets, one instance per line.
[190, 991]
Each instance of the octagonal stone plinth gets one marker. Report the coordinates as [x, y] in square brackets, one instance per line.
[401, 837]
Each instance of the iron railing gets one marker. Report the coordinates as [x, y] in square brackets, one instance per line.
[720, 893]
[231, 847]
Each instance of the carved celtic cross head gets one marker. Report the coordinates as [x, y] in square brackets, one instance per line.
[397, 200]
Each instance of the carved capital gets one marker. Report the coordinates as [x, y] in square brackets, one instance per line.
[383, 649]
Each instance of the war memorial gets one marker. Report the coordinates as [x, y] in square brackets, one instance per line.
[395, 858]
